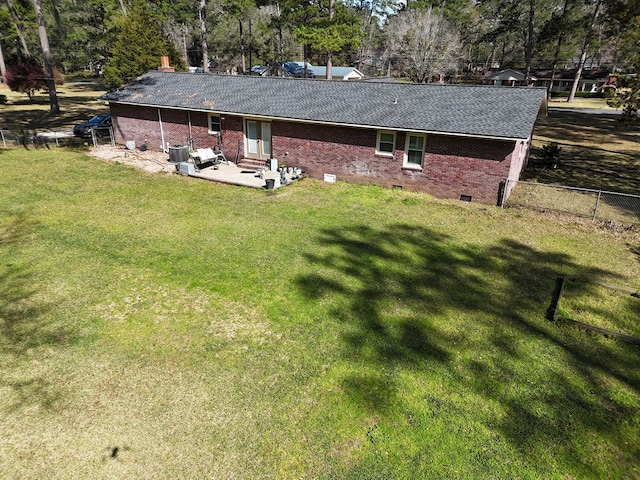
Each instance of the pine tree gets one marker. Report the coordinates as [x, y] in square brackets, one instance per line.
[138, 47]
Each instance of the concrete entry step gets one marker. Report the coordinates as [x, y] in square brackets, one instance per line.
[251, 164]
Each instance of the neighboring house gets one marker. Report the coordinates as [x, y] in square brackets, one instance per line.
[591, 80]
[508, 77]
[449, 140]
[337, 73]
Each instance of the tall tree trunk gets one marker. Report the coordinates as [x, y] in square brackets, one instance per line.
[556, 54]
[244, 63]
[583, 54]
[185, 53]
[281, 48]
[203, 35]
[46, 55]
[15, 20]
[122, 8]
[3, 67]
[528, 49]
[56, 14]
[332, 11]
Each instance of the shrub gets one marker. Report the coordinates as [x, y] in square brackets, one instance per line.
[551, 155]
[565, 94]
[26, 77]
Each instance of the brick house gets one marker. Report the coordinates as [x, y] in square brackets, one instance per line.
[448, 140]
[591, 80]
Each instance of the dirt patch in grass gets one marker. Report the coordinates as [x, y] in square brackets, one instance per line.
[149, 161]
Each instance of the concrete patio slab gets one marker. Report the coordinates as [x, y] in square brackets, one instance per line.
[234, 175]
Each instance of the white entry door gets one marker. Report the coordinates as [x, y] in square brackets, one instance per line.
[258, 139]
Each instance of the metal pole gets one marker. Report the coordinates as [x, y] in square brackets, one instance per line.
[93, 137]
[595, 210]
[3, 140]
[162, 147]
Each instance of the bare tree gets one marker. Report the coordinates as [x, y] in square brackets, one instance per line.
[46, 55]
[422, 44]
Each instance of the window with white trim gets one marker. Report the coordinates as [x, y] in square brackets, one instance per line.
[214, 123]
[386, 143]
[414, 150]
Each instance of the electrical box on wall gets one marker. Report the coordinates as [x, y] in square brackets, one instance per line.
[330, 178]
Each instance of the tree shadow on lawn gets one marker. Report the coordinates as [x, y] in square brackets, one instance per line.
[588, 129]
[24, 323]
[397, 283]
[588, 168]
[38, 119]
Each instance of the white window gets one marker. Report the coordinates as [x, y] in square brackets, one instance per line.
[214, 123]
[386, 143]
[414, 150]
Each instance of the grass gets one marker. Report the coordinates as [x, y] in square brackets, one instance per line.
[154, 326]
[598, 151]
[602, 306]
[580, 102]
[78, 102]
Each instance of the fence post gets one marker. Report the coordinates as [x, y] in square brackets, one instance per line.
[93, 137]
[595, 209]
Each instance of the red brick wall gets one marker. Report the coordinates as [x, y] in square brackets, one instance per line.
[142, 124]
[453, 166]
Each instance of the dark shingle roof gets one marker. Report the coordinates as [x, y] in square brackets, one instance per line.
[485, 111]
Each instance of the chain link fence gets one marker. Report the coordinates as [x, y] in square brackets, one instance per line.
[47, 138]
[580, 202]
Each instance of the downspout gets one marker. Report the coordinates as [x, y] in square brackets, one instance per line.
[190, 134]
[161, 133]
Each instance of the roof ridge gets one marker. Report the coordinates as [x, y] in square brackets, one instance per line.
[325, 81]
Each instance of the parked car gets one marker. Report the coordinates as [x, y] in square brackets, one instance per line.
[100, 124]
[294, 69]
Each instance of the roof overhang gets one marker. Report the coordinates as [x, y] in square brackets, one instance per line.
[543, 109]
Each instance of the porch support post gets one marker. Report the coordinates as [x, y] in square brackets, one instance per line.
[162, 147]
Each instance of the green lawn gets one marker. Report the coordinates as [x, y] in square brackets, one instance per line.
[156, 326]
[78, 101]
[598, 152]
[601, 305]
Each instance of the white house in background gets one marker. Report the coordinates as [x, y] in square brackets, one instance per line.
[507, 77]
[337, 73]
[591, 80]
